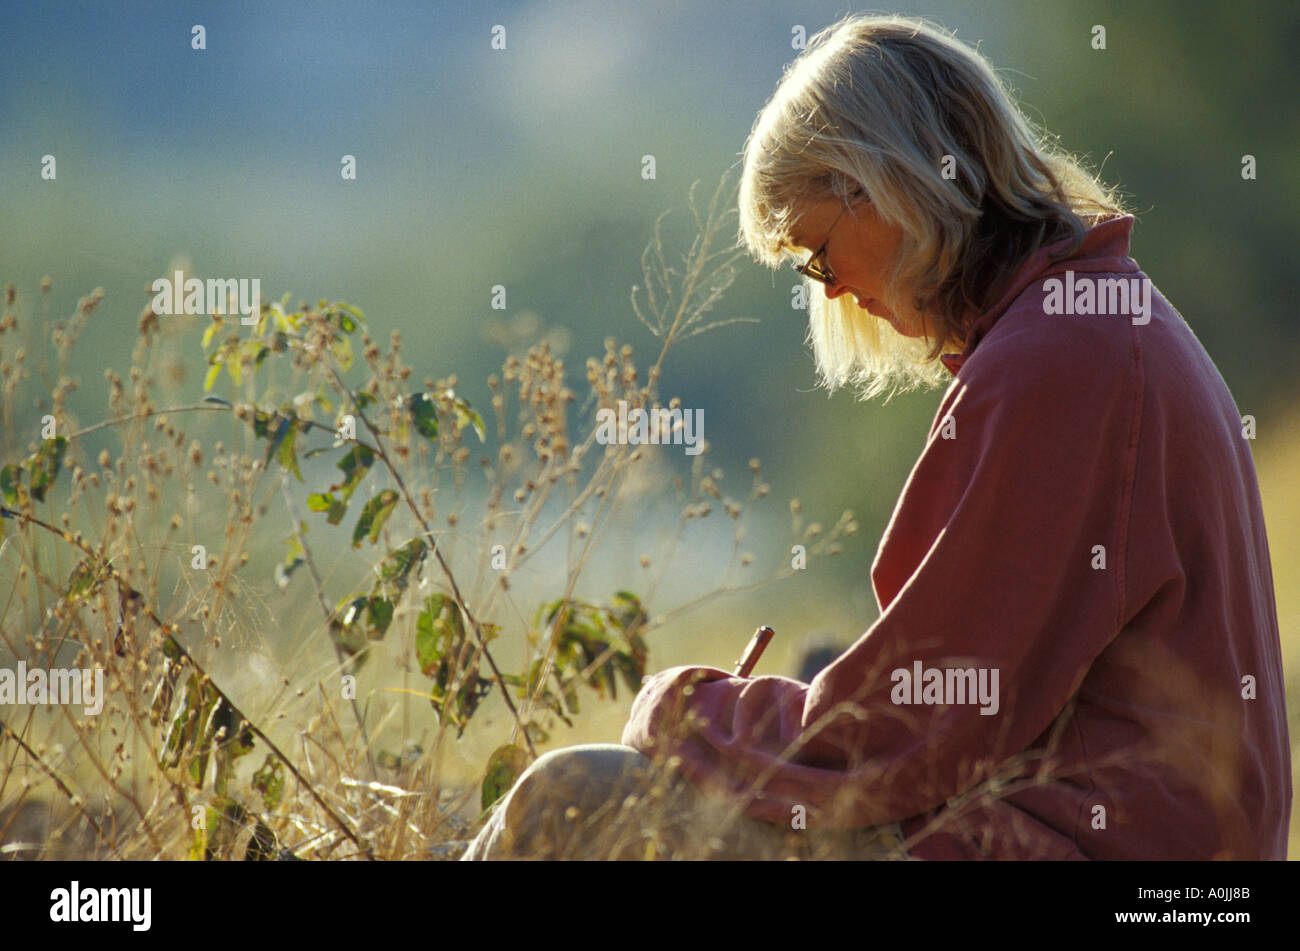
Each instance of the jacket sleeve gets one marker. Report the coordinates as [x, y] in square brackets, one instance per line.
[990, 561]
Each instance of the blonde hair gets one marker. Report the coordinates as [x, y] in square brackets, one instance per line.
[880, 105]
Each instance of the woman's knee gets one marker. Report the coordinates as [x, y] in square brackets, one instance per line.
[582, 772]
[584, 801]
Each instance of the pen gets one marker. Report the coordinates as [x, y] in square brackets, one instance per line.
[762, 637]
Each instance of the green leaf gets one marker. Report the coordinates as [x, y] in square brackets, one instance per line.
[592, 631]
[345, 315]
[319, 502]
[379, 614]
[286, 455]
[85, 577]
[430, 633]
[239, 738]
[45, 465]
[631, 668]
[354, 464]
[570, 694]
[361, 619]
[261, 424]
[10, 479]
[341, 347]
[466, 416]
[205, 734]
[457, 710]
[514, 680]
[349, 637]
[180, 733]
[345, 321]
[225, 819]
[282, 431]
[373, 516]
[162, 698]
[199, 765]
[439, 643]
[505, 765]
[397, 564]
[199, 843]
[424, 414]
[269, 781]
[627, 607]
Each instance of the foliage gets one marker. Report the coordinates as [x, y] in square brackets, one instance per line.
[345, 431]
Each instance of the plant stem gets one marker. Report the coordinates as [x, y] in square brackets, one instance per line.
[437, 554]
[169, 631]
[62, 786]
[325, 608]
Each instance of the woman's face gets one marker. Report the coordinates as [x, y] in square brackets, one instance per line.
[860, 252]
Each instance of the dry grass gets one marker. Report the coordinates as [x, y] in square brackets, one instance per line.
[231, 727]
[228, 732]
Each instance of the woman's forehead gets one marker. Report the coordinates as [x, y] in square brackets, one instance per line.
[810, 222]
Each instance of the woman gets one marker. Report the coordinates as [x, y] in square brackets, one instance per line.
[1077, 654]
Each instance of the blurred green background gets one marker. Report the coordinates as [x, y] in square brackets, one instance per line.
[522, 167]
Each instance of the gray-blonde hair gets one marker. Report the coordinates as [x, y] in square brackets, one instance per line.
[881, 104]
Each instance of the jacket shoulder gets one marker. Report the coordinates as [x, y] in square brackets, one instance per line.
[1031, 352]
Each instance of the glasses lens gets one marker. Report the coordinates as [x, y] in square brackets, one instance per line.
[817, 272]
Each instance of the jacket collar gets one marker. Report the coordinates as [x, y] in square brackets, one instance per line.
[1105, 249]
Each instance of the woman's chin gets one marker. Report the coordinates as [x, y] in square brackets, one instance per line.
[878, 310]
[906, 329]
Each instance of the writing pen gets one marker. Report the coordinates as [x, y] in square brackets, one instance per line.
[762, 637]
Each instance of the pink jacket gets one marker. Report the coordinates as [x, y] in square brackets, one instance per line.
[1083, 531]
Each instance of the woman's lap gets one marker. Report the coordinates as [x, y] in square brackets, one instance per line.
[608, 801]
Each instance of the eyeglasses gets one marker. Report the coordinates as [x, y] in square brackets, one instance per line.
[809, 268]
